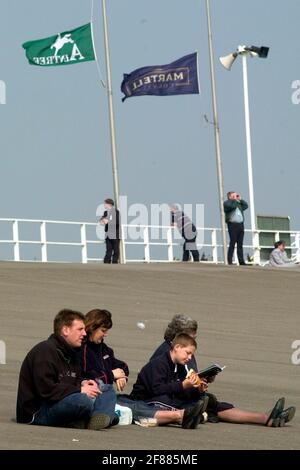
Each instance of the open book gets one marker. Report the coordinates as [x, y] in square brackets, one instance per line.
[210, 371]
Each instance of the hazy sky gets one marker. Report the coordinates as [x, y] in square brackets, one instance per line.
[55, 147]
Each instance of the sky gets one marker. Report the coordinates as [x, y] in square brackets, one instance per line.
[54, 132]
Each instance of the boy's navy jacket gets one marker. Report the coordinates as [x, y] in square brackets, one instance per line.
[98, 360]
[159, 380]
[165, 347]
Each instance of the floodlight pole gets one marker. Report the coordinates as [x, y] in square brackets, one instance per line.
[249, 154]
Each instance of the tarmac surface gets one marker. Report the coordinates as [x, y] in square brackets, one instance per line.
[248, 319]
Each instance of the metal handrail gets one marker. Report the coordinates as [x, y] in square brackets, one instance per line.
[145, 240]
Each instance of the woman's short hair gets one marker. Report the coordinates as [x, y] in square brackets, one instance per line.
[180, 324]
[97, 318]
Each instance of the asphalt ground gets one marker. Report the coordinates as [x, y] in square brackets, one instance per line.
[248, 319]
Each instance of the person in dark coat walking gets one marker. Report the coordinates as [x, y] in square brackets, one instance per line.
[111, 220]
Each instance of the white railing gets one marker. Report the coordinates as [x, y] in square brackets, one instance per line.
[20, 245]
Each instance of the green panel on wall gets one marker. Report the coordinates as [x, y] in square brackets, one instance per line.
[276, 223]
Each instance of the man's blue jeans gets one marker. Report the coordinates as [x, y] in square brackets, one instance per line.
[77, 406]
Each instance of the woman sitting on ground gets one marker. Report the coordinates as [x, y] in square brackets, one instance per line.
[98, 361]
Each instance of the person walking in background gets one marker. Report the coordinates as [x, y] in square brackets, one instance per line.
[234, 209]
[111, 220]
[188, 231]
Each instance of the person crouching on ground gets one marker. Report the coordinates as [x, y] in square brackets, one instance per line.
[51, 390]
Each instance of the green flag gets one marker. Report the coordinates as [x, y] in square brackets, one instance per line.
[69, 47]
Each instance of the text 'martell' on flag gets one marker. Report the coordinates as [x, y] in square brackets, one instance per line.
[178, 78]
[69, 47]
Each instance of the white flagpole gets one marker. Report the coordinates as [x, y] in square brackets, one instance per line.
[112, 123]
[217, 133]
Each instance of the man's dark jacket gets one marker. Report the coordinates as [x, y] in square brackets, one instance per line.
[49, 373]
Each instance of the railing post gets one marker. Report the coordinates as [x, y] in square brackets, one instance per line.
[146, 244]
[277, 236]
[83, 243]
[214, 244]
[123, 235]
[256, 247]
[16, 240]
[297, 246]
[170, 244]
[43, 242]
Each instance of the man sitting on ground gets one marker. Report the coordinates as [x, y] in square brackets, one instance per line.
[51, 391]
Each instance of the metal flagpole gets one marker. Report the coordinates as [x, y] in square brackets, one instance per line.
[217, 133]
[112, 122]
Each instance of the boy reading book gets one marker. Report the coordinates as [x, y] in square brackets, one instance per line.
[159, 384]
[159, 380]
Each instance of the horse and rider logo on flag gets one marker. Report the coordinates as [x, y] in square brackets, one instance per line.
[69, 47]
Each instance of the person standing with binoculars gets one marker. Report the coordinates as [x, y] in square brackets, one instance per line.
[234, 209]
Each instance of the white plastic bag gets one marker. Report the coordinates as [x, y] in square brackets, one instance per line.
[125, 415]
